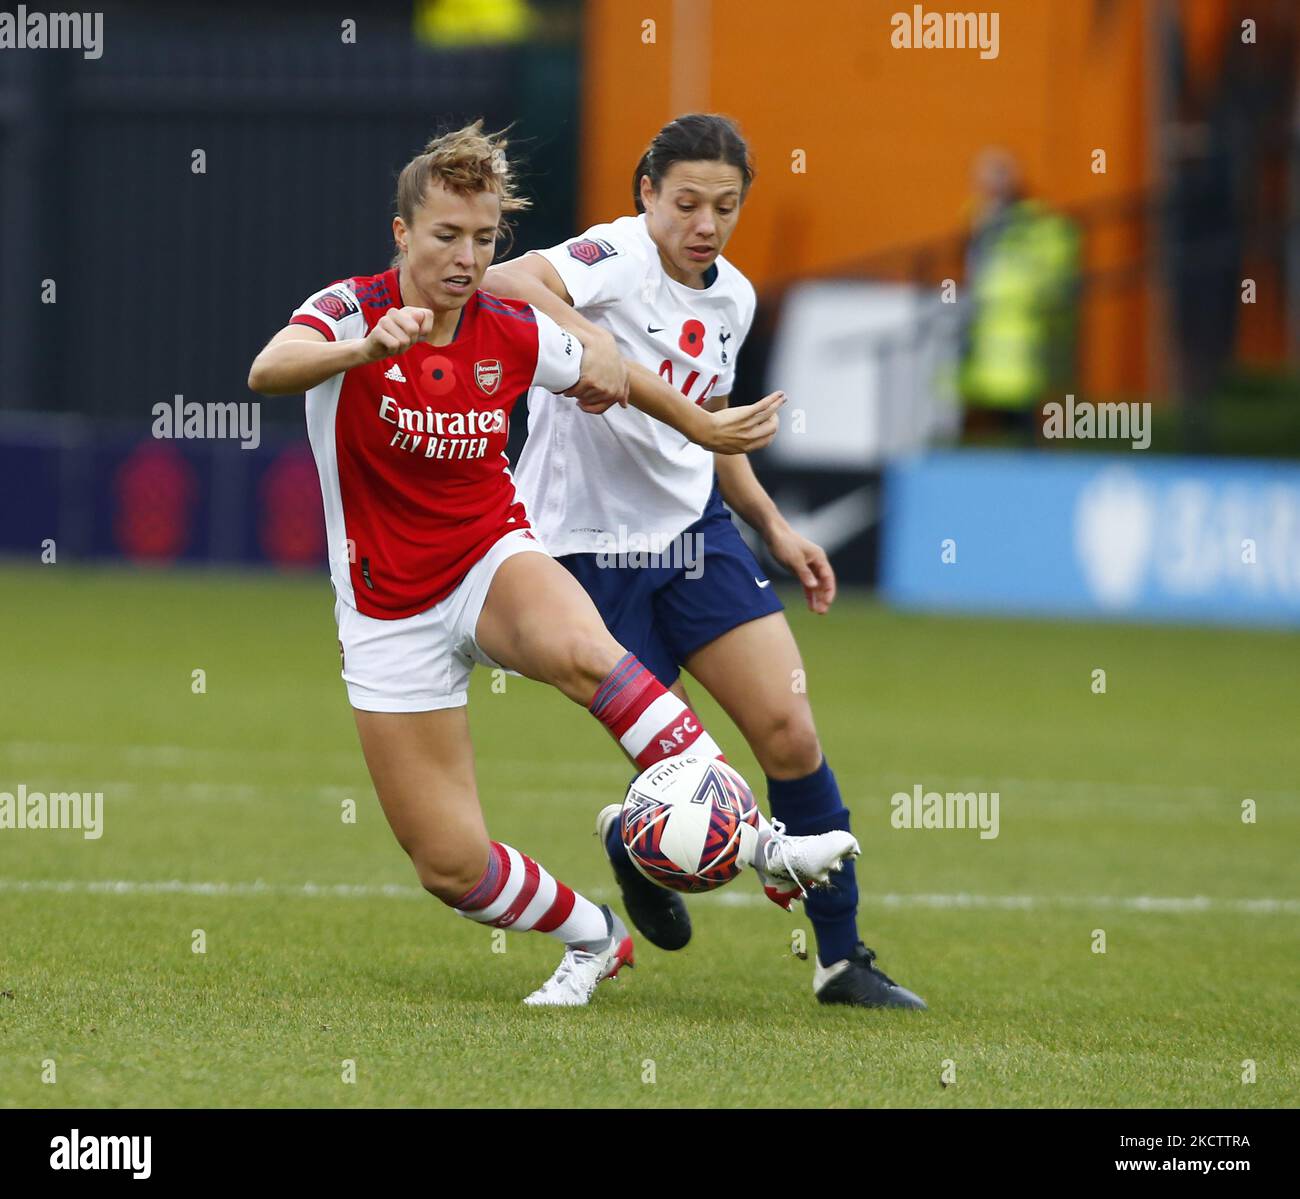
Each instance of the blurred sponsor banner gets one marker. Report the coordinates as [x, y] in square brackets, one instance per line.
[95, 490]
[1185, 539]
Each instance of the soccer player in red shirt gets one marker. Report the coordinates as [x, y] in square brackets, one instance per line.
[410, 376]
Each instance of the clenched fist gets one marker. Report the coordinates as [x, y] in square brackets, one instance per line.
[397, 331]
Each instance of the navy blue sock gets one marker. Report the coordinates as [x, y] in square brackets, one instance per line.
[808, 806]
[619, 858]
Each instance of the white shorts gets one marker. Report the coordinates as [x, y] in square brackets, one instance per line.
[421, 663]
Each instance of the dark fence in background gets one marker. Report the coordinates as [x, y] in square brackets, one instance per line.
[168, 281]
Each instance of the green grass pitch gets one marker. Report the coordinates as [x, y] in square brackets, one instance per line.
[321, 950]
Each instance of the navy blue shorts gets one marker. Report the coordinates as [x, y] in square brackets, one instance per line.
[702, 586]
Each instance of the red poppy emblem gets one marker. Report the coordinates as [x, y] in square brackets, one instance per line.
[692, 338]
[436, 375]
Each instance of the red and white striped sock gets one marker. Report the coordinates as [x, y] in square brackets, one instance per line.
[516, 892]
[648, 720]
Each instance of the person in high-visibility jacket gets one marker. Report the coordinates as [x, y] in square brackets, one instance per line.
[472, 22]
[1021, 282]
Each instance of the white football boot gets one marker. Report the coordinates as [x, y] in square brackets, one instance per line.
[575, 979]
[787, 866]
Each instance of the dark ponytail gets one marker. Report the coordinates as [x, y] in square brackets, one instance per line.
[696, 137]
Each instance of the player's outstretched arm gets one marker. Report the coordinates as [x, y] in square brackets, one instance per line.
[299, 357]
[531, 278]
[728, 431]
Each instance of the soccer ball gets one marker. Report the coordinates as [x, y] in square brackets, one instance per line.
[690, 823]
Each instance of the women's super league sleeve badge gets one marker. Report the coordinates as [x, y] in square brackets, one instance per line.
[336, 304]
[487, 374]
[591, 250]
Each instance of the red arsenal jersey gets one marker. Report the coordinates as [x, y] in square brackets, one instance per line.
[411, 450]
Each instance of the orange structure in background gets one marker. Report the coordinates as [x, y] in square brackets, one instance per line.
[889, 134]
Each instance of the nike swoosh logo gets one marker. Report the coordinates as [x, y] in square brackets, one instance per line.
[661, 328]
[763, 582]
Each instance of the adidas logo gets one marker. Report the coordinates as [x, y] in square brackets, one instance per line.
[394, 372]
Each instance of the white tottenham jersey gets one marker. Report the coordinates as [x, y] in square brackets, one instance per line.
[592, 482]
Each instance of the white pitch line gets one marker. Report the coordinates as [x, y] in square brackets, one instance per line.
[1165, 905]
[190, 756]
[236, 890]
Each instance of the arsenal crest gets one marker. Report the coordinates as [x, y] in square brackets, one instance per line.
[487, 374]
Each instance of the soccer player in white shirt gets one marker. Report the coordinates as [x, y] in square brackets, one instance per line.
[635, 511]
